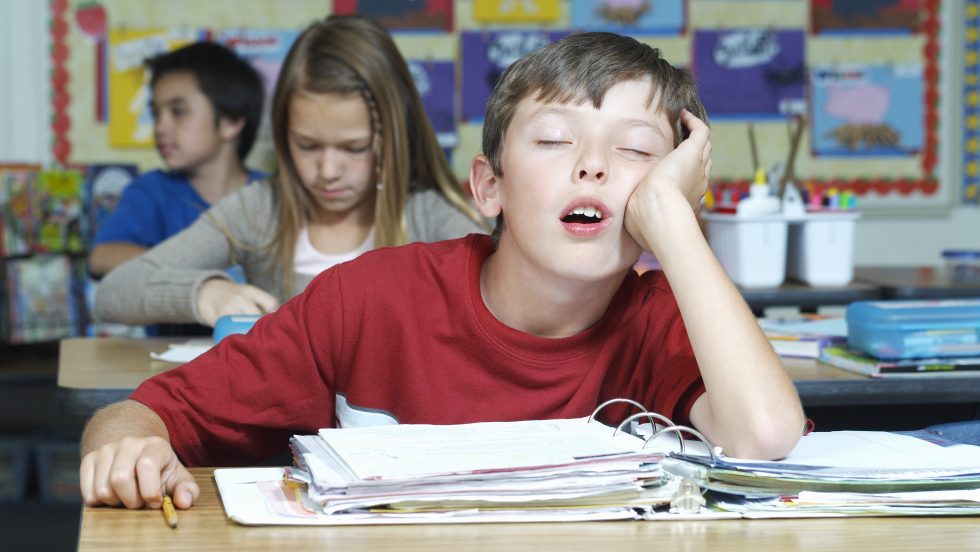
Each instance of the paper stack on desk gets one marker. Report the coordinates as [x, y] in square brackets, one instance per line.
[549, 467]
[855, 473]
[573, 470]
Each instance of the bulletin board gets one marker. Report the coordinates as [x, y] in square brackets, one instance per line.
[870, 77]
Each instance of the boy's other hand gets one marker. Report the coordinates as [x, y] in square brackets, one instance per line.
[218, 297]
[135, 472]
[683, 173]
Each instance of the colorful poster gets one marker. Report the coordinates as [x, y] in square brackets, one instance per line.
[130, 119]
[867, 109]
[750, 73]
[436, 83]
[516, 11]
[264, 49]
[485, 56]
[402, 15]
[629, 16]
[971, 105]
[865, 16]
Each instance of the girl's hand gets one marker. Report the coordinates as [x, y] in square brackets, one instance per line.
[218, 297]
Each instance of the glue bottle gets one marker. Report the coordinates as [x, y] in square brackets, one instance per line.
[759, 201]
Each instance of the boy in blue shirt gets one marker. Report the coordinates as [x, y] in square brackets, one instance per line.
[207, 106]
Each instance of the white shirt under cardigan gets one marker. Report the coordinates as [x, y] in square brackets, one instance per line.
[309, 260]
[161, 284]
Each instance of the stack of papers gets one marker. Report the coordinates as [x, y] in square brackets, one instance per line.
[867, 473]
[536, 465]
[553, 470]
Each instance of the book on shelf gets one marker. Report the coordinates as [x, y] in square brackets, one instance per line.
[18, 208]
[582, 470]
[857, 361]
[804, 335]
[60, 217]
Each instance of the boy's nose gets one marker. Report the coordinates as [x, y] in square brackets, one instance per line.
[592, 167]
[161, 124]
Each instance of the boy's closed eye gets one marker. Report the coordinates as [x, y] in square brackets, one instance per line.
[552, 143]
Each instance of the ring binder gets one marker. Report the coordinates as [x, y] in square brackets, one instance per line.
[613, 401]
[712, 450]
[655, 416]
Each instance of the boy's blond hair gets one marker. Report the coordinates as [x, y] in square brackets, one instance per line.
[583, 67]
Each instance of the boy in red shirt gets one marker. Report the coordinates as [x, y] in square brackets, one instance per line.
[594, 151]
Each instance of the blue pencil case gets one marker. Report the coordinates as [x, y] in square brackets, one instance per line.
[233, 324]
[915, 329]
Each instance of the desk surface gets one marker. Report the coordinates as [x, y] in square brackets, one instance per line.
[94, 372]
[915, 282]
[808, 298]
[205, 527]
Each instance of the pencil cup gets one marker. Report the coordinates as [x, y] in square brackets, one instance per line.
[821, 248]
[752, 250]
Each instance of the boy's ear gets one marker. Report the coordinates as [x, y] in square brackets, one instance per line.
[229, 128]
[484, 187]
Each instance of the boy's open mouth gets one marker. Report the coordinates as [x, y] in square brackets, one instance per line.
[583, 215]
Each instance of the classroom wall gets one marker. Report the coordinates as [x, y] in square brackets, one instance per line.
[906, 237]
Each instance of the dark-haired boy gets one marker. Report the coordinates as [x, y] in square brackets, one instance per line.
[594, 151]
[207, 106]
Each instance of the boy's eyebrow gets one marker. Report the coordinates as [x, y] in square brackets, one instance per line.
[168, 102]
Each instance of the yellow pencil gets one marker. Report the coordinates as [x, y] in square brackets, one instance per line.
[169, 513]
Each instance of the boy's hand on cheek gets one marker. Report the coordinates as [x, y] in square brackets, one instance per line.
[683, 173]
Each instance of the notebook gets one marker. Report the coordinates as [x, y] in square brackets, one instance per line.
[857, 361]
[805, 335]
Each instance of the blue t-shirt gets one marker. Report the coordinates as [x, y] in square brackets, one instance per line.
[153, 207]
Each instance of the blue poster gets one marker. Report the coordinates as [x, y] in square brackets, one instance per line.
[867, 109]
[750, 73]
[629, 16]
[486, 55]
[436, 83]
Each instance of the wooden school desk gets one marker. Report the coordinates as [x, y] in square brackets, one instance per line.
[915, 282]
[94, 372]
[205, 528]
[808, 298]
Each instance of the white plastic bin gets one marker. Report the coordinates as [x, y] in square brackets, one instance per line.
[752, 250]
[821, 248]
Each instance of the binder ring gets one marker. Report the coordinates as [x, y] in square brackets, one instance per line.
[667, 425]
[611, 401]
[678, 429]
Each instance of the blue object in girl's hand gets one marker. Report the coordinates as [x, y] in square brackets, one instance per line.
[233, 324]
